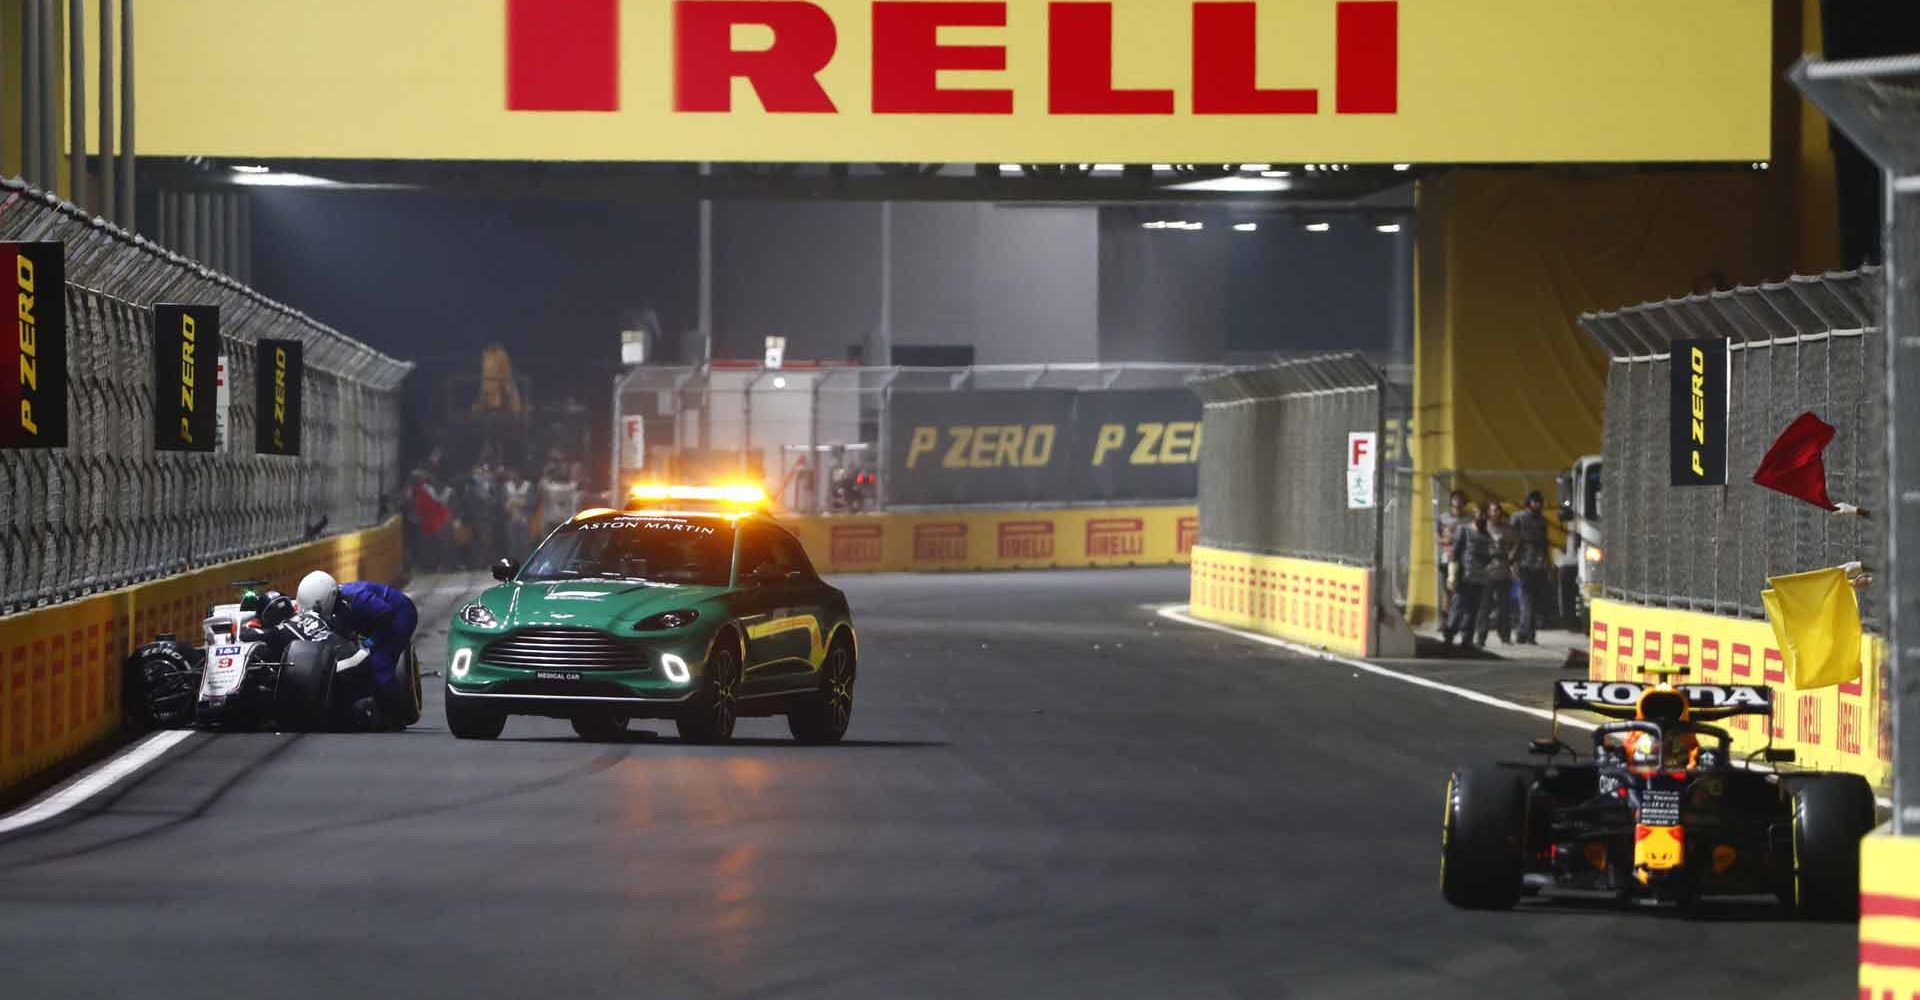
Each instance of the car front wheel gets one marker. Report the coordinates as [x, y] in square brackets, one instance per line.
[467, 721]
[711, 715]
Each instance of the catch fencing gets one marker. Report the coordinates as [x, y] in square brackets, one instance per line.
[108, 510]
[1806, 344]
[831, 438]
[1273, 480]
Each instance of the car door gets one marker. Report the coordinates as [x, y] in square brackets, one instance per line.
[783, 631]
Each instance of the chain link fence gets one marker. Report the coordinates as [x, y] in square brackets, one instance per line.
[1806, 344]
[1876, 103]
[1272, 476]
[108, 510]
[806, 430]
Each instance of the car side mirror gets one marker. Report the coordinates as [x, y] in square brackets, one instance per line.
[767, 574]
[505, 569]
[1547, 746]
[1779, 755]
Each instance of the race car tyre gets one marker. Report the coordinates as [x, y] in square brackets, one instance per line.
[1830, 815]
[303, 696]
[401, 708]
[159, 684]
[467, 721]
[823, 718]
[1482, 838]
[710, 716]
[598, 728]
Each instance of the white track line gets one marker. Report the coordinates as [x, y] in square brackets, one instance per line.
[1178, 613]
[96, 780]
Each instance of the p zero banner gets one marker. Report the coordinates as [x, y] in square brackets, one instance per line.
[276, 402]
[1045, 446]
[1012, 81]
[186, 396]
[1698, 435]
[33, 347]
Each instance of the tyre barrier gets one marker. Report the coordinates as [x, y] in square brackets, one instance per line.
[60, 665]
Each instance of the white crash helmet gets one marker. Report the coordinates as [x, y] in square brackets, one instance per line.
[319, 591]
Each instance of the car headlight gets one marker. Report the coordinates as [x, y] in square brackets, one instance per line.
[666, 620]
[675, 668]
[478, 616]
[1593, 553]
[462, 662]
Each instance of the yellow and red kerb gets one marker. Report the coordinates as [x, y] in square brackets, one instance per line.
[1890, 918]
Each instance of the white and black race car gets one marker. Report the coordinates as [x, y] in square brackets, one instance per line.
[262, 662]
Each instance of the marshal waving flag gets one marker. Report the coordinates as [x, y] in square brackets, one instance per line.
[33, 347]
[1816, 620]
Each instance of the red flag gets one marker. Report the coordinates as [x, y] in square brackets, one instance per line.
[433, 514]
[1793, 464]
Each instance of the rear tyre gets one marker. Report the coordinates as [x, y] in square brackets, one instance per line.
[471, 722]
[710, 718]
[1830, 816]
[823, 718]
[1483, 837]
[303, 695]
[600, 728]
[402, 708]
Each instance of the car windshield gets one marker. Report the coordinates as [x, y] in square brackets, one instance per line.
[658, 549]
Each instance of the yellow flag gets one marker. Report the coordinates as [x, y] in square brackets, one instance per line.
[1816, 620]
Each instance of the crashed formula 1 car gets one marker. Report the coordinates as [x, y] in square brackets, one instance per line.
[263, 662]
[1659, 811]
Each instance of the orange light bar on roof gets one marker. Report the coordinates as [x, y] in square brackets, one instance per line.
[744, 496]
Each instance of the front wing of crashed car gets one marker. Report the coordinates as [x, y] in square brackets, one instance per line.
[1659, 810]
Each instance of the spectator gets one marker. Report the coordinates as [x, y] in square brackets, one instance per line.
[1468, 562]
[1444, 528]
[559, 496]
[1530, 561]
[479, 500]
[1496, 606]
[516, 492]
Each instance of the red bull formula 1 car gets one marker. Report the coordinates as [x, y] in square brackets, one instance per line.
[1658, 811]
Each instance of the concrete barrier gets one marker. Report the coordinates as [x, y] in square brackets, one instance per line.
[998, 539]
[1327, 605]
[1889, 917]
[60, 665]
[1847, 727]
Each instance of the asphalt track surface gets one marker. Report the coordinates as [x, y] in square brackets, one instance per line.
[1047, 792]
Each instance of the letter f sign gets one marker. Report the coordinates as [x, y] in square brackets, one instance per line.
[563, 55]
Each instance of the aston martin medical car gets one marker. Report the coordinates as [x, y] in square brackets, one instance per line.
[691, 604]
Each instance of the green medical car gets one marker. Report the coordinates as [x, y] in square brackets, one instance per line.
[684, 606]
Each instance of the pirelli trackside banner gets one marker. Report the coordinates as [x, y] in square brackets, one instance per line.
[1701, 370]
[1045, 446]
[33, 347]
[277, 375]
[186, 351]
[963, 81]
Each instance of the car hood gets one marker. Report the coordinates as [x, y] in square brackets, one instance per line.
[589, 603]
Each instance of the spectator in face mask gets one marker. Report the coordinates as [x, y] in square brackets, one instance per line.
[1496, 605]
[1444, 527]
[1467, 569]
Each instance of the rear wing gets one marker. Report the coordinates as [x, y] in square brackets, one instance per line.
[1706, 702]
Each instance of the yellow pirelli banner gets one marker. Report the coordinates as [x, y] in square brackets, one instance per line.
[999, 539]
[60, 666]
[1889, 918]
[1022, 81]
[1846, 727]
[1320, 604]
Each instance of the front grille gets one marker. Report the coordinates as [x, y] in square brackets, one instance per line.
[566, 649]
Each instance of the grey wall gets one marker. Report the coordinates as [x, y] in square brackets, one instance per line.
[807, 271]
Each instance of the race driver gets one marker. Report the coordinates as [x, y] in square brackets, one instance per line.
[382, 616]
